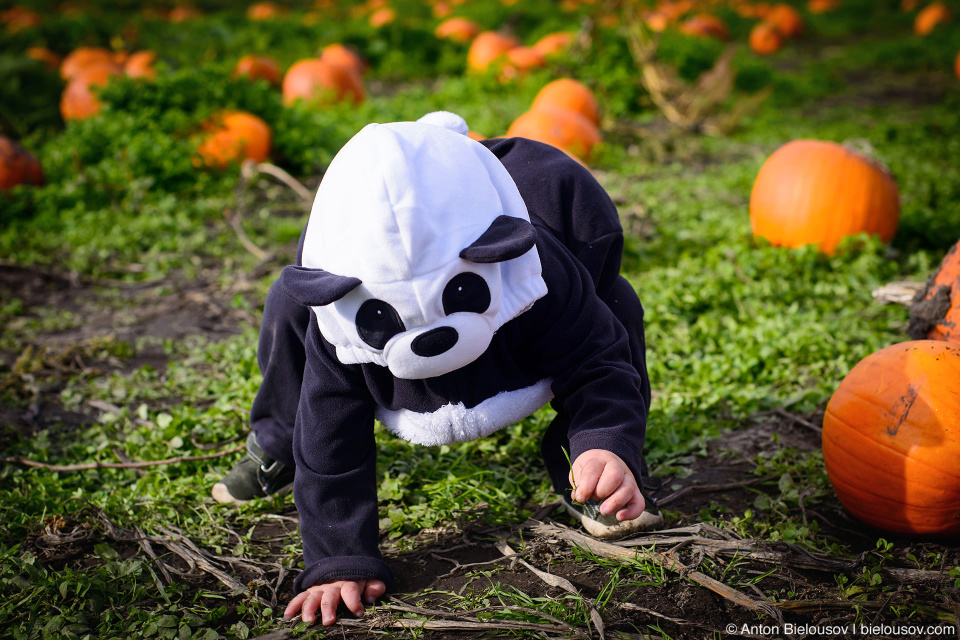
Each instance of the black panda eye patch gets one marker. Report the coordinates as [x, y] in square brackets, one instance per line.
[377, 322]
[466, 292]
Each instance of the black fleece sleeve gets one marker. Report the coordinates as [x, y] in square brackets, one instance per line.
[335, 487]
[583, 347]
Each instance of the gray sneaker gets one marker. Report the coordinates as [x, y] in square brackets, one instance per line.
[608, 527]
[256, 475]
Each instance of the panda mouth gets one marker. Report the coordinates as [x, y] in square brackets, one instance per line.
[434, 342]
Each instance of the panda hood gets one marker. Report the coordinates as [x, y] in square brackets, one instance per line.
[419, 247]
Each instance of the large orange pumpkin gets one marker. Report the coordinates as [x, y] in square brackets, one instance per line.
[83, 58]
[315, 80]
[565, 129]
[79, 100]
[257, 67]
[457, 29]
[487, 47]
[765, 39]
[234, 136]
[815, 192]
[17, 165]
[931, 16]
[935, 313]
[891, 439]
[567, 93]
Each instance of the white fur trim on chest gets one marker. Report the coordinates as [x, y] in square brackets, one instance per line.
[455, 423]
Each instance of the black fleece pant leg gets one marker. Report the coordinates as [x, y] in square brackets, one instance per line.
[281, 356]
[625, 304]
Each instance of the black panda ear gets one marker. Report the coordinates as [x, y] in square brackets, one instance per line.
[315, 287]
[505, 239]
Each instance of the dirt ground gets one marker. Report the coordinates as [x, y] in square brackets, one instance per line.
[445, 566]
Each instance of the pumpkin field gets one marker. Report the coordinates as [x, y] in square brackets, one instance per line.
[787, 175]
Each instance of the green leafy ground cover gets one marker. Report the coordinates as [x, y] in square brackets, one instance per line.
[736, 329]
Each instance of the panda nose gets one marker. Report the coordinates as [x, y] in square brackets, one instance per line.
[434, 342]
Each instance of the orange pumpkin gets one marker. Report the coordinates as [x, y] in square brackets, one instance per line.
[487, 47]
[931, 16]
[705, 26]
[956, 66]
[519, 61]
[441, 10]
[257, 67]
[315, 80]
[233, 136]
[891, 439]
[79, 100]
[935, 313]
[656, 21]
[909, 5]
[264, 11]
[815, 192]
[765, 39]
[822, 6]
[382, 17]
[19, 18]
[457, 29]
[565, 129]
[140, 65]
[83, 58]
[342, 55]
[17, 165]
[183, 13]
[786, 19]
[44, 55]
[567, 93]
[554, 44]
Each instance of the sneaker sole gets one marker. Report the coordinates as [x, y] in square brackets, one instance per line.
[222, 494]
[647, 521]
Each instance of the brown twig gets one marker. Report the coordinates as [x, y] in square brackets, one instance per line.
[235, 219]
[249, 166]
[706, 488]
[118, 465]
[783, 413]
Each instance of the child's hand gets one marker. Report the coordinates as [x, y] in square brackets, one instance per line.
[602, 475]
[326, 597]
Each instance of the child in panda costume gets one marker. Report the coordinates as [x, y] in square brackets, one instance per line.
[447, 288]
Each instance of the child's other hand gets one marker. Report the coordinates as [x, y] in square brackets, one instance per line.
[602, 475]
[326, 597]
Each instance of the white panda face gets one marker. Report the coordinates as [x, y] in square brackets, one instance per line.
[428, 327]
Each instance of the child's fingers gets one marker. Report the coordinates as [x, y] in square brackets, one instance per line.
[619, 499]
[374, 590]
[328, 603]
[587, 475]
[612, 479]
[351, 593]
[294, 607]
[634, 508]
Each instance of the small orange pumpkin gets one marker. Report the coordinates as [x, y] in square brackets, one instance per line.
[382, 17]
[183, 13]
[487, 47]
[44, 55]
[554, 44]
[520, 61]
[765, 39]
[956, 66]
[17, 165]
[891, 439]
[83, 58]
[822, 6]
[786, 19]
[78, 100]
[935, 312]
[705, 26]
[931, 16]
[257, 67]
[457, 29]
[313, 79]
[233, 136]
[815, 192]
[19, 18]
[344, 56]
[909, 5]
[264, 11]
[565, 129]
[567, 93]
[140, 65]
